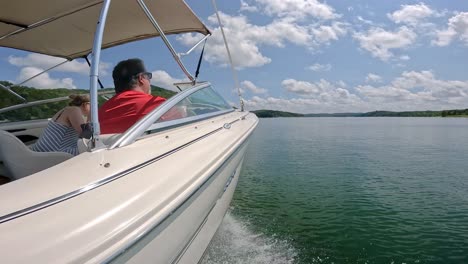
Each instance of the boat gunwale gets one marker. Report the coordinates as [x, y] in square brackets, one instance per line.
[108, 179]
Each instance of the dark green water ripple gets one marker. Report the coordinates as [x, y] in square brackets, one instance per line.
[360, 190]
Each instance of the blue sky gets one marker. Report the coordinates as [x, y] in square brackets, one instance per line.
[304, 56]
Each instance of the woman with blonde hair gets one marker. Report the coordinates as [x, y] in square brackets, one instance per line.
[63, 130]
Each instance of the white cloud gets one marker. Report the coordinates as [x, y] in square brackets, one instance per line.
[411, 14]
[321, 89]
[298, 105]
[444, 37]
[246, 39]
[332, 99]
[246, 7]
[341, 84]
[164, 80]
[248, 85]
[324, 34]
[426, 80]
[412, 90]
[33, 64]
[44, 81]
[365, 21]
[417, 91]
[386, 94]
[405, 57]
[281, 31]
[379, 42]
[373, 78]
[298, 9]
[45, 62]
[242, 43]
[320, 67]
[457, 28]
[300, 87]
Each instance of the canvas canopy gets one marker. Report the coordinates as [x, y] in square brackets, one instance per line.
[66, 28]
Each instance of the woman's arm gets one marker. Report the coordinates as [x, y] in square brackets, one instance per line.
[76, 118]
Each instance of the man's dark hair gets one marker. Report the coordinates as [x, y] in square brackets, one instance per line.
[125, 74]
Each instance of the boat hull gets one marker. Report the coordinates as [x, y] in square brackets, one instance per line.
[158, 200]
[192, 226]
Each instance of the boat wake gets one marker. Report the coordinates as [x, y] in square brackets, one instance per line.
[236, 243]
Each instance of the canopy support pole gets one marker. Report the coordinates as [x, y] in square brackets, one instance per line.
[234, 72]
[89, 64]
[94, 73]
[196, 45]
[12, 92]
[166, 41]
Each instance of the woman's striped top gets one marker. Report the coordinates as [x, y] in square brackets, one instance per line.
[58, 138]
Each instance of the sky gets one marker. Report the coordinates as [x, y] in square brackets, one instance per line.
[303, 56]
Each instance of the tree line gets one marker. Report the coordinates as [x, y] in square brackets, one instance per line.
[445, 113]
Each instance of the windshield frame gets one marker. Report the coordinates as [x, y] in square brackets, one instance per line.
[148, 123]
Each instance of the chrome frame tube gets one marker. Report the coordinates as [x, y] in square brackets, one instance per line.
[147, 121]
[186, 120]
[234, 72]
[27, 27]
[196, 45]
[94, 72]
[164, 38]
[12, 92]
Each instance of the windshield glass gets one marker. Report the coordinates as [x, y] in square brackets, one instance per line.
[201, 102]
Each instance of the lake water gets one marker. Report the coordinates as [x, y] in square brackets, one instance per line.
[350, 190]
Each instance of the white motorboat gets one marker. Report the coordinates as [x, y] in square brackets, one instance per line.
[154, 194]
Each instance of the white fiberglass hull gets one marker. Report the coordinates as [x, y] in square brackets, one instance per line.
[191, 228]
[158, 200]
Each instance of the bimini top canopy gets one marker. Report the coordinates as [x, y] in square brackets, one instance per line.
[66, 28]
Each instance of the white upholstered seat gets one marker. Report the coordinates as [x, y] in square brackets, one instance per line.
[20, 161]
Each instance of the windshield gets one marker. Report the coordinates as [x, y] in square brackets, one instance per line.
[200, 102]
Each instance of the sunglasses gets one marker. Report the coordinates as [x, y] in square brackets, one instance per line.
[147, 75]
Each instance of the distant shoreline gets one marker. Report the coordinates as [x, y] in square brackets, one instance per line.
[264, 113]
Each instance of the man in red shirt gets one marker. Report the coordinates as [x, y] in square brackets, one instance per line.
[132, 100]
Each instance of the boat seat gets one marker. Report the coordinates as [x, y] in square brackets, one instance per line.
[19, 161]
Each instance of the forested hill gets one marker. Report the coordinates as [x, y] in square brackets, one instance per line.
[384, 113]
[272, 113]
[444, 113]
[47, 110]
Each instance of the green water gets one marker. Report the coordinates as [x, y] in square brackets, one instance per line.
[350, 190]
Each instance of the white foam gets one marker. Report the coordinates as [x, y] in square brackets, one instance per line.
[235, 243]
